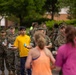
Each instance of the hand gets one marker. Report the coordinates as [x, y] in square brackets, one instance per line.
[29, 47]
[12, 47]
[4, 44]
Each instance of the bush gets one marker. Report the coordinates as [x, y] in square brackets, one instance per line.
[68, 22]
[50, 24]
[28, 22]
[71, 22]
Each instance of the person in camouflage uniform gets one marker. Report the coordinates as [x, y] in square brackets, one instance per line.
[54, 33]
[17, 60]
[3, 54]
[10, 53]
[8, 30]
[34, 28]
[48, 41]
[55, 30]
[60, 40]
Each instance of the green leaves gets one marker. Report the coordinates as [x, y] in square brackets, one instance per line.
[72, 7]
[21, 8]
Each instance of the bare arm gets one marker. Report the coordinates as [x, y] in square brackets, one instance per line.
[48, 53]
[29, 60]
[52, 60]
[51, 57]
[14, 48]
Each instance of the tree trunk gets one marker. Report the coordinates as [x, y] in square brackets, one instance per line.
[52, 15]
[53, 8]
[21, 20]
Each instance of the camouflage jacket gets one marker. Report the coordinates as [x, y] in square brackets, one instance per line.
[60, 40]
[11, 38]
[48, 41]
[2, 40]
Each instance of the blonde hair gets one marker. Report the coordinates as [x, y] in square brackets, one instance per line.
[40, 39]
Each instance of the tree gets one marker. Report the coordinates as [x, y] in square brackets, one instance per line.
[52, 7]
[22, 8]
[72, 6]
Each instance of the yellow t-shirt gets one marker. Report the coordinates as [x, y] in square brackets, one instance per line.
[19, 43]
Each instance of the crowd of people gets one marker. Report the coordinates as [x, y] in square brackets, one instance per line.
[39, 52]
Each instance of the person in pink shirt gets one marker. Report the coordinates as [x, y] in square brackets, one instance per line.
[66, 55]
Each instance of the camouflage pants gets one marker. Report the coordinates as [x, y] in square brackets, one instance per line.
[11, 60]
[17, 62]
[3, 57]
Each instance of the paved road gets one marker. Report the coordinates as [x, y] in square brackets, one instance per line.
[55, 72]
[6, 72]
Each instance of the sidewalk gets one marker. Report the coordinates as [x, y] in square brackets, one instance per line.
[55, 72]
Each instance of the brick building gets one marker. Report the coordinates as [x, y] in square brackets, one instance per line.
[4, 23]
[62, 15]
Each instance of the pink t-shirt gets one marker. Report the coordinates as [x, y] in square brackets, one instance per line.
[66, 59]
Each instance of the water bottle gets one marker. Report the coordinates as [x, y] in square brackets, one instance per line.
[9, 45]
[4, 42]
[25, 45]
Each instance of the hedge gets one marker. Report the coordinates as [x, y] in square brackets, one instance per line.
[68, 22]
